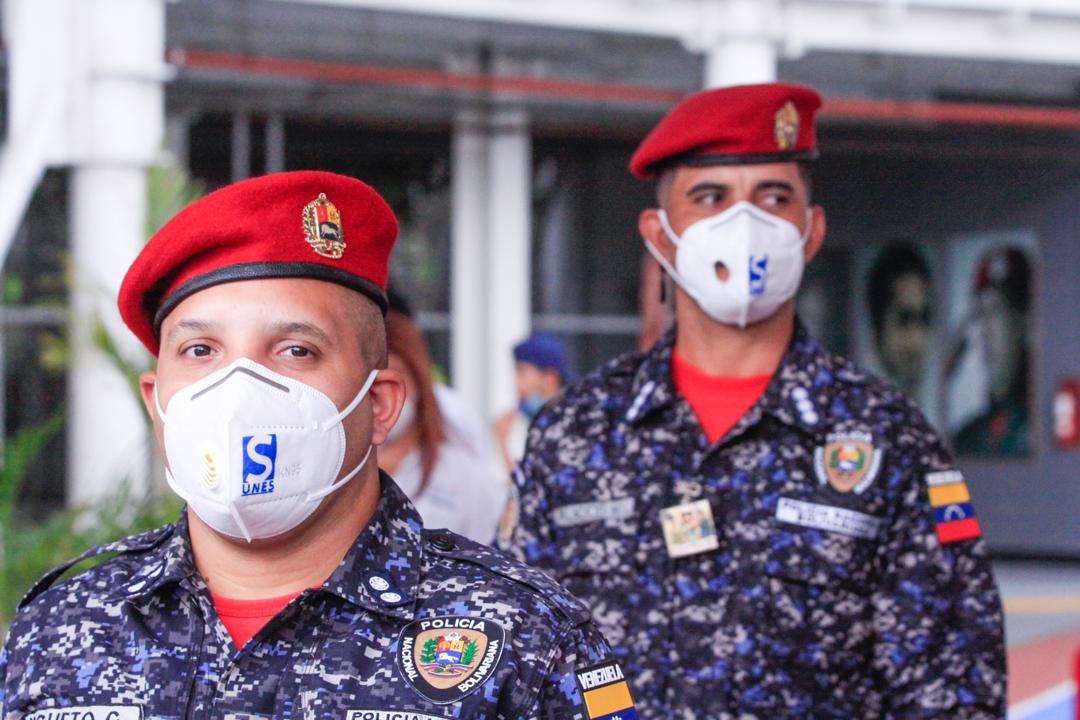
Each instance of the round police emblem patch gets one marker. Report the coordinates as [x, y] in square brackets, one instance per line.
[446, 658]
[848, 462]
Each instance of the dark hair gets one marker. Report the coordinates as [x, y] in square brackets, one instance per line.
[894, 261]
[405, 340]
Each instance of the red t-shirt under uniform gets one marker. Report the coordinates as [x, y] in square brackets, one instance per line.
[244, 618]
[718, 401]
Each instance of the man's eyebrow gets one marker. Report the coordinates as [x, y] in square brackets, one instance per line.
[775, 185]
[300, 327]
[190, 325]
[707, 185]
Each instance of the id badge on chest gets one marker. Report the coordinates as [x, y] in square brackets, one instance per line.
[689, 528]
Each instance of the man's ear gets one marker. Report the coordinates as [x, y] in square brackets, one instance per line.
[387, 398]
[147, 383]
[652, 232]
[817, 233]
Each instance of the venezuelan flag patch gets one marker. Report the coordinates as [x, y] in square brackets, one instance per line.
[954, 515]
[606, 692]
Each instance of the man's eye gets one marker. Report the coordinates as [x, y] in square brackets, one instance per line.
[197, 351]
[298, 351]
[774, 201]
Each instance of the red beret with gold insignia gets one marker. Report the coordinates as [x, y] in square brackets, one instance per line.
[738, 125]
[304, 224]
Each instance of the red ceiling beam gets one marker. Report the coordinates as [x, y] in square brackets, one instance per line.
[988, 114]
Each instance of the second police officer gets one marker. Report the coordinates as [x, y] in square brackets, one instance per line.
[760, 529]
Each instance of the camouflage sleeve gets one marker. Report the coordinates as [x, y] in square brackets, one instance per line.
[584, 681]
[938, 617]
[525, 532]
[3, 679]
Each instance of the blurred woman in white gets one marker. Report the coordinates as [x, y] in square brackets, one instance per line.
[448, 478]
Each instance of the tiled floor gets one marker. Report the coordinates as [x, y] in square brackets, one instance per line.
[1042, 626]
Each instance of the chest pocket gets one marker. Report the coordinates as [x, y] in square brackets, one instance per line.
[597, 537]
[820, 613]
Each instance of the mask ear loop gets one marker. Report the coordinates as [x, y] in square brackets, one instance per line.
[657, 255]
[320, 494]
[352, 405]
[158, 408]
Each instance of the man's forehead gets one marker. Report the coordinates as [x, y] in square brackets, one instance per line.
[283, 300]
[689, 175]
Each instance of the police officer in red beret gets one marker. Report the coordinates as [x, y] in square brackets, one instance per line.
[299, 582]
[760, 529]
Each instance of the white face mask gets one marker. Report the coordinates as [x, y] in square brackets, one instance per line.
[763, 255]
[254, 452]
[404, 421]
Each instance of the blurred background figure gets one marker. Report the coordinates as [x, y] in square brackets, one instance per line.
[436, 451]
[540, 372]
[997, 339]
[898, 293]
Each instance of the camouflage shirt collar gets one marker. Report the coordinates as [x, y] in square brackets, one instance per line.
[794, 396]
[170, 561]
[380, 572]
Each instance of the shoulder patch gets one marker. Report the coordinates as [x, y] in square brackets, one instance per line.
[447, 657]
[129, 545]
[605, 692]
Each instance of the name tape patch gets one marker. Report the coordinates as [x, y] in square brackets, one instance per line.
[389, 715]
[606, 693]
[587, 512]
[89, 712]
[828, 517]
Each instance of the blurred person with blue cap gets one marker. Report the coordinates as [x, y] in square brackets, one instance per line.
[541, 370]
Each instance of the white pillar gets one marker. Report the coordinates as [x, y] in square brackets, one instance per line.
[107, 439]
[117, 130]
[740, 38]
[468, 258]
[509, 203]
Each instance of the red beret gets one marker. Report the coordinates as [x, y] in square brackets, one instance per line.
[289, 225]
[733, 126]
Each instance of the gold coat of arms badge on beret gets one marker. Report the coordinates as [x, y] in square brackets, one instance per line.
[322, 228]
[787, 126]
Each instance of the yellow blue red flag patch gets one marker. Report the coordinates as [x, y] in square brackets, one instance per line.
[606, 692]
[954, 515]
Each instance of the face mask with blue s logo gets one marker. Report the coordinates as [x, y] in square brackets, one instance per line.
[762, 253]
[254, 452]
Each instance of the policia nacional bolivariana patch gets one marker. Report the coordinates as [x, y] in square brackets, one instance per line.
[446, 658]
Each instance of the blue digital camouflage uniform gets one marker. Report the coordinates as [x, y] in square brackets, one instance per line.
[845, 606]
[138, 637]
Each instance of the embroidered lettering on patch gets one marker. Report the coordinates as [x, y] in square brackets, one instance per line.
[944, 477]
[446, 658]
[605, 692]
[828, 517]
[587, 512]
[89, 712]
[848, 462]
[389, 715]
